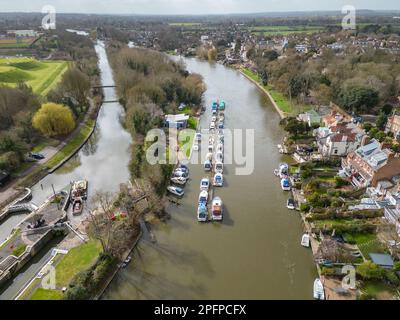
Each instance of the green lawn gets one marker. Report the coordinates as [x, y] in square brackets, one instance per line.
[46, 294]
[42, 76]
[373, 246]
[72, 145]
[77, 260]
[282, 102]
[186, 142]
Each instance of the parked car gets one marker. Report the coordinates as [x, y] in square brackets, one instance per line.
[36, 156]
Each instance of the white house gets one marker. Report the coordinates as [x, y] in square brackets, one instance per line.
[339, 140]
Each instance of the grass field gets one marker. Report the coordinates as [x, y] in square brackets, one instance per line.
[46, 294]
[284, 30]
[77, 260]
[42, 76]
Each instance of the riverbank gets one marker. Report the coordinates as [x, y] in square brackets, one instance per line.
[62, 154]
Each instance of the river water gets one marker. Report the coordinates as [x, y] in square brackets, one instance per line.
[255, 253]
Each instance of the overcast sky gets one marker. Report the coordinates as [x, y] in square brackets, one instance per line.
[192, 6]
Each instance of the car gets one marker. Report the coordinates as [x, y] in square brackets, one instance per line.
[36, 156]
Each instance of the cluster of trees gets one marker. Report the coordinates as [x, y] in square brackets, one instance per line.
[16, 131]
[359, 82]
[151, 85]
[25, 118]
[53, 120]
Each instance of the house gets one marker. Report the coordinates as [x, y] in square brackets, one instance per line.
[393, 125]
[332, 119]
[369, 164]
[311, 117]
[4, 177]
[339, 140]
[177, 121]
[23, 33]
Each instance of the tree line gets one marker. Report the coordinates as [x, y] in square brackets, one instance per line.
[151, 85]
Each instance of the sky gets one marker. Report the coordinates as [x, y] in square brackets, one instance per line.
[191, 6]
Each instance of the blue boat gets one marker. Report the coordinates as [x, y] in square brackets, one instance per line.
[215, 106]
[222, 105]
[202, 213]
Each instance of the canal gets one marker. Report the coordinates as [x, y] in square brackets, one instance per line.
[255, 253]
[103, 161]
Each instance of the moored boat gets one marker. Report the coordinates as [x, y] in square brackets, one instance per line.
[217, 209]
[202, 213]
[319, 292]
[79, 190]
[218, 180]
[176, 191]
[285, 184]
[203, 197]
[207, 165]
[77, 207]
[306, 241]
[219, 167]
[291, 204]
[205, 184]
[179, 180]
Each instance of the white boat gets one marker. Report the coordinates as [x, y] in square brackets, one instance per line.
[202, 213]
[179, 180]
[306, 241]
[211, 140]
[283, 170]
[207, 165]
[319, 292]
[214, 119]
[79, 190]
[209, 156]
[291, 204]
[210, 148]
[219, 157]
[285, 184]
[176, 191]
[220, 147]
[198, 137]
[196, 147]
[217, 209]
[203, 197]
[219, 167]
[205, 184]
[212, 125]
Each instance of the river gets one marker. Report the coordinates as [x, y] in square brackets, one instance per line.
[255, 253]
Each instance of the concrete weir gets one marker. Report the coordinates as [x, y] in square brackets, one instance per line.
[31, 235]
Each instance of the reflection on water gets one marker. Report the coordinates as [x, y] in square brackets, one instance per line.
[104, 159]
[255, 253]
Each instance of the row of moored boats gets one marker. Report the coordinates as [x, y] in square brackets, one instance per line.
[283, 173]
[213, 164]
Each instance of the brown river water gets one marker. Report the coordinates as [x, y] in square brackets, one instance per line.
[255, 253]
